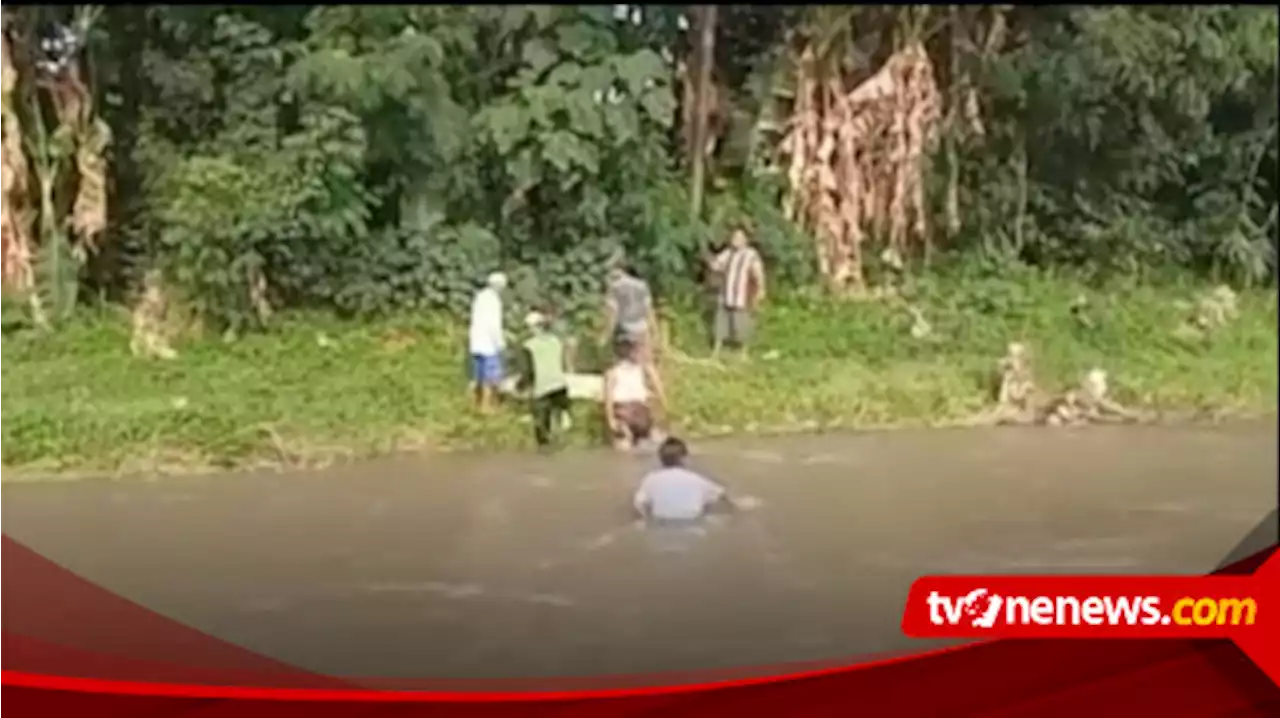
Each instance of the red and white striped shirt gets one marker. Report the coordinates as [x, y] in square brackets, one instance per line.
[739, 266]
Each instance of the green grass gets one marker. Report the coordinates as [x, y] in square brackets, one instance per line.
[76, 401]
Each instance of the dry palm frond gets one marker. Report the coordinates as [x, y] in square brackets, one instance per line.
[72, 103]
[258, 293]
[89, 212]
[857, 158]
[150, 316]
[17, 209]
[17, 214]
[920, 327]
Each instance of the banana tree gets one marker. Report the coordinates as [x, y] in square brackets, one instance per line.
[65, 157]
[863, 114]
[17, 211]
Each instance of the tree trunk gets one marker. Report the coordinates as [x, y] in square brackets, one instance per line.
[707, 16]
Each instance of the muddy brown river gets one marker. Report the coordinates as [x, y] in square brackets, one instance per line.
[521, 566]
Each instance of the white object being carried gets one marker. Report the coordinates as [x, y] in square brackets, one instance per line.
[586, 387]
[582, 387]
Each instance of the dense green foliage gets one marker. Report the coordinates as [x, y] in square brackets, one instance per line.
[1150, 139]
[380, 158]
[370, 164]
[370, 159]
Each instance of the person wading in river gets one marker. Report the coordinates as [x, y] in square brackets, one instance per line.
[546, 374]
[741, 291]
[631, 388]
[673, 494]
[629, 315]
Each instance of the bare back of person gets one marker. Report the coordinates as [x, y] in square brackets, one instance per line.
[627, 399]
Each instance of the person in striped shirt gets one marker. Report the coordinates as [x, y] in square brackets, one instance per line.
[741, 291]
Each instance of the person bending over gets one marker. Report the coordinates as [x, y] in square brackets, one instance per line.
[631, 388]
[558, 324]
[546, 375]
[673, 493]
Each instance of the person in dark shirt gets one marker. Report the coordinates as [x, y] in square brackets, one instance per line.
[629, 313]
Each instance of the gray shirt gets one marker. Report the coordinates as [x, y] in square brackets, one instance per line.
[676, 494]
[631, 297]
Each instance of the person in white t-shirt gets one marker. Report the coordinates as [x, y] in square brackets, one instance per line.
[487, 341]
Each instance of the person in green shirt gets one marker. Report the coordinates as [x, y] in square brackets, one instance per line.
[546, 377]
[559, 325]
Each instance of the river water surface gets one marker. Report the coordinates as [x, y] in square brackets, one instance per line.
[521, 566]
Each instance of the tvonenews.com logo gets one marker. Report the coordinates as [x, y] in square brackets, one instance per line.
[1237, 607]
[980, 608]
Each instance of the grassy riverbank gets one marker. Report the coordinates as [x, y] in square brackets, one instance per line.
[316, 388]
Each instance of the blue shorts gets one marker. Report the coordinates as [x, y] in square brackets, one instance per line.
[486, 369]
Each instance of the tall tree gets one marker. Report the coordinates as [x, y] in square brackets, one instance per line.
[706, 52]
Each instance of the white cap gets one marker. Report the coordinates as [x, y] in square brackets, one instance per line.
[535, 319]
[497, 280]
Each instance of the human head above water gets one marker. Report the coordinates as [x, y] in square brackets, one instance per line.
[672, 452]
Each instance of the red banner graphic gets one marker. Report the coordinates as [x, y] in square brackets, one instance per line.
[1244, 609]
[93, 652]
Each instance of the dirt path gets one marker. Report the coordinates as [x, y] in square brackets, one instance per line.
[523, 566]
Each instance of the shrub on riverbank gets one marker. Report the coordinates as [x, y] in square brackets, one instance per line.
[318, 388]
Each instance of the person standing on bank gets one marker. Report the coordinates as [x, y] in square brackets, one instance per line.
[546, 375]
[629, 315]
[487, 341]
[742, 290]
